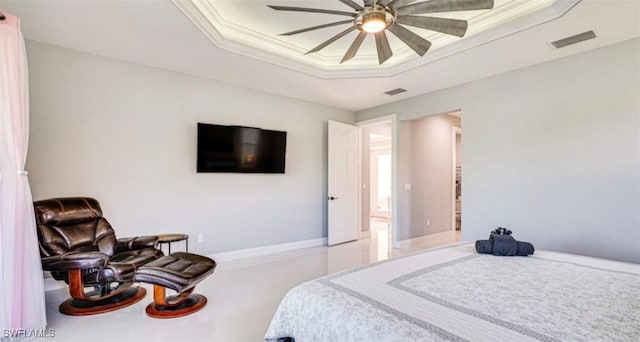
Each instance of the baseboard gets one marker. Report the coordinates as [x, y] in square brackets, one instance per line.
[264, 250]
[52, 284]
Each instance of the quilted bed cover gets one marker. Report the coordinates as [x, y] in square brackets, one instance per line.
[454, 294]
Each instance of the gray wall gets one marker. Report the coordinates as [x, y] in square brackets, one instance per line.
[428, 154]
[551, 151]
[126, 134]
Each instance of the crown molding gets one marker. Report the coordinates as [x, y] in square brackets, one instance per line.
[488, 26]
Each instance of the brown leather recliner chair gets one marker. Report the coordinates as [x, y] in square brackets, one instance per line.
[78, 246]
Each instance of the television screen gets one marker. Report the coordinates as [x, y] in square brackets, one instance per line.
[240, 149]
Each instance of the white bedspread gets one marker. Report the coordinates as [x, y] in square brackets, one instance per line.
[453, 293]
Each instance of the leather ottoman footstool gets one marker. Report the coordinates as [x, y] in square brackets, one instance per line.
[180, 272]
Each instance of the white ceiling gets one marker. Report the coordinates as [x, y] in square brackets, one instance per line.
[157, 33]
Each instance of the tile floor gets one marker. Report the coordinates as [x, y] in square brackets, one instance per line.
[242, 294]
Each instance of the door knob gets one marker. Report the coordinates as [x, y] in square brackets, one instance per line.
[332, 198]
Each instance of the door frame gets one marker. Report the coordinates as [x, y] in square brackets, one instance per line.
[455, 131]
[395, 222]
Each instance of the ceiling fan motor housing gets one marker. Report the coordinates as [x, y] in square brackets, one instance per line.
[375, 13]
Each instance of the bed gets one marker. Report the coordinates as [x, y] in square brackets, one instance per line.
[454, 294]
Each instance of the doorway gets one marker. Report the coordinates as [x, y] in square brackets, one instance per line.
[456, 177]
[380, 176]
[427, 178]
[377, 185]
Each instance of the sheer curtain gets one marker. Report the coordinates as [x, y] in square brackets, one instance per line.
[21, 282]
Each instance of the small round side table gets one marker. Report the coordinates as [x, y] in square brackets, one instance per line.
[169, 238]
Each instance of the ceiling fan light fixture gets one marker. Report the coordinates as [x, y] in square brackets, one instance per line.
[374, 22]
[382, 15]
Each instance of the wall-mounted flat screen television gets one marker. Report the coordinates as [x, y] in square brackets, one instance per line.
[240, 149]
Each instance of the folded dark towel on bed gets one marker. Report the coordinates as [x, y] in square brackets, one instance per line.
[503, 245]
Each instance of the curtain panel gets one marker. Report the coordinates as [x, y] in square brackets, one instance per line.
[22, 303]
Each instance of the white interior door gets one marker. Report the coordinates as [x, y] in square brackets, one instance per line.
[343, 183]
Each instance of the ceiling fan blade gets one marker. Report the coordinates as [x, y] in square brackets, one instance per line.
[383, 47]
[453, 27]
[353, 49]
[435, 6]
[351, 4]
[397, 3]
[370, 2]
[316, 27]
[331, 40]
[314, 10]
[414, 41]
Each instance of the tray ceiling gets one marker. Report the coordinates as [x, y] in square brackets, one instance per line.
[252, 29]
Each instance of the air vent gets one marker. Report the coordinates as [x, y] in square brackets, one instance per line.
[573, 39]
[395, 91]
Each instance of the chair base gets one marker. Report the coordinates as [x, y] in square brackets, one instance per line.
[78, 307]
[190, 305]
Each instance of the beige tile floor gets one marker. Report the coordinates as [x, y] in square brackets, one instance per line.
[242, 294]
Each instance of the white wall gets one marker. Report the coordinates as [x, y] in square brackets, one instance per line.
[429, 156]
[551, 151]
[126, 135]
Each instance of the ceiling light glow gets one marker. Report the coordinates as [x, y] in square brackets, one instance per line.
[374, 22]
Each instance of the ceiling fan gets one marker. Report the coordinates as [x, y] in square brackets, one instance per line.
[376, 17]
